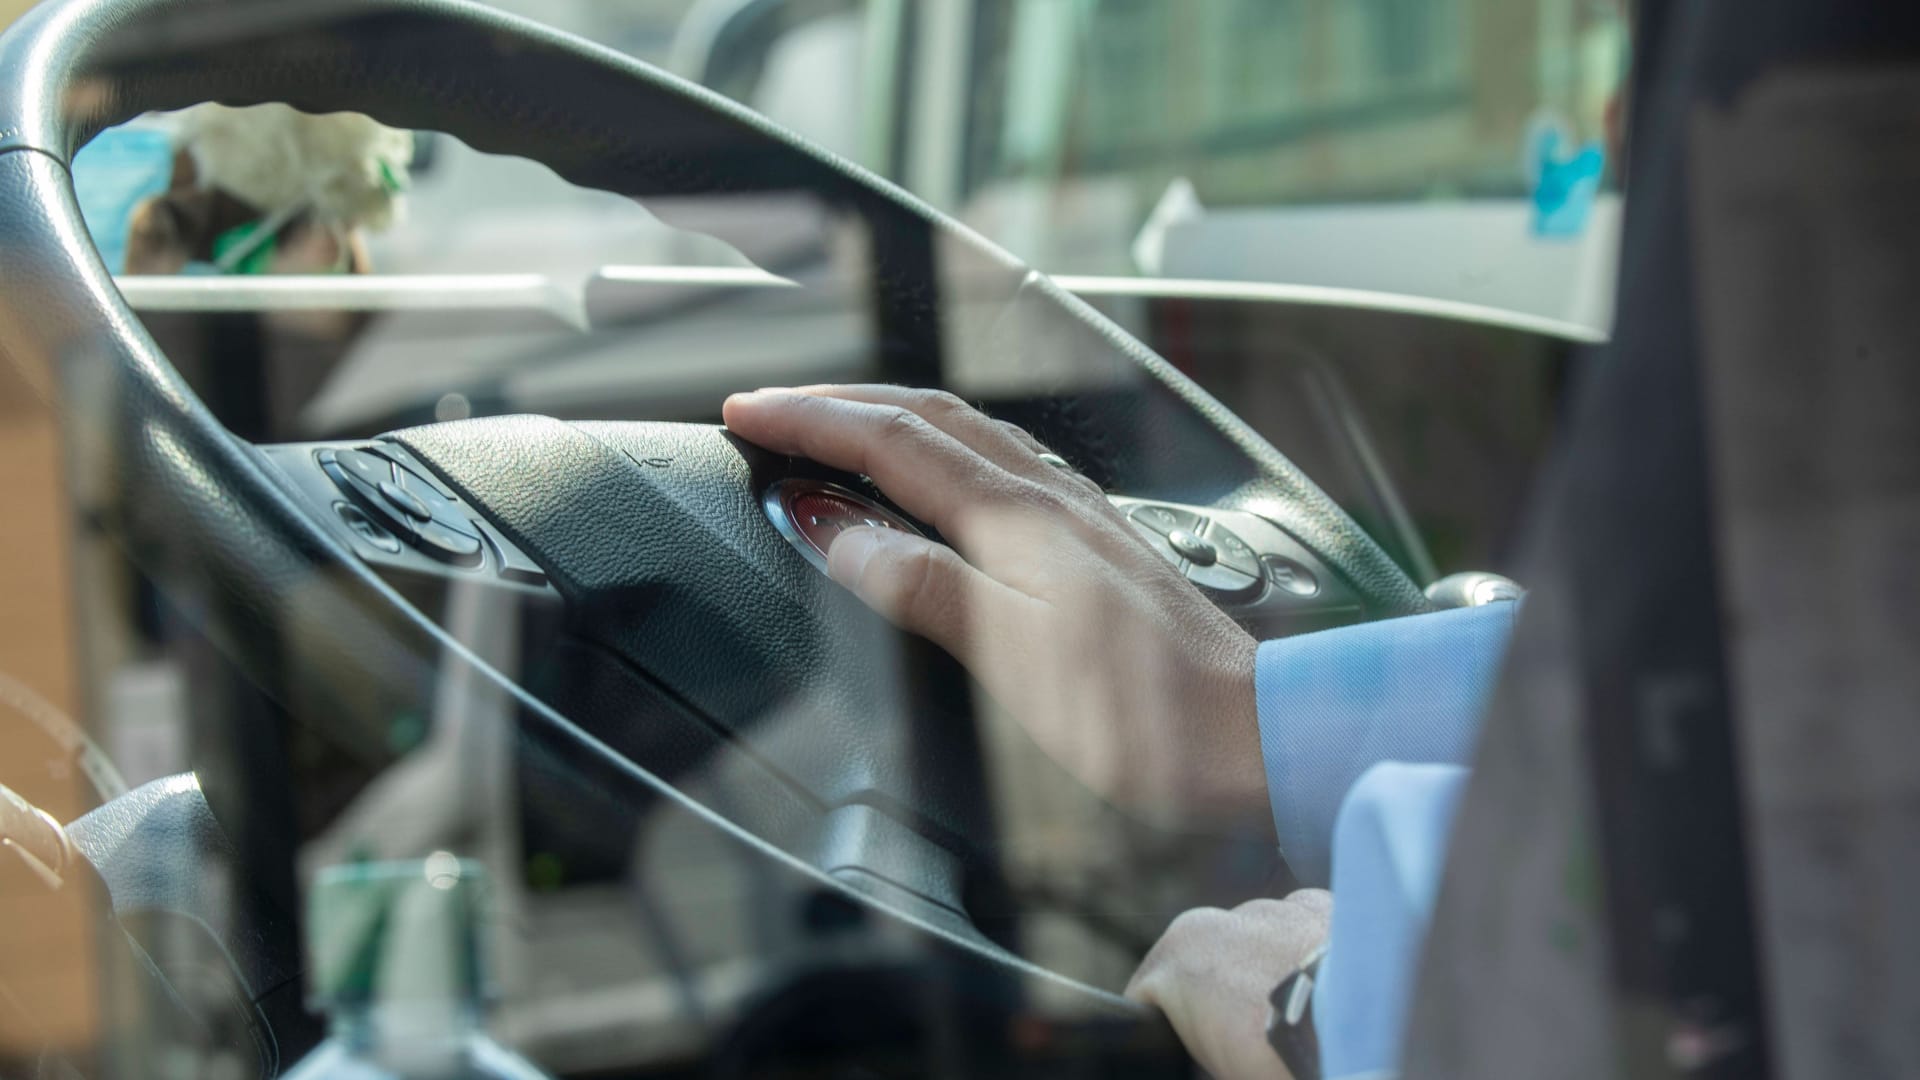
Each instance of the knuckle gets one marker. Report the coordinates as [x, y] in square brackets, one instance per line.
[898, 424]
[1084, 493]
[1018, 434]
[1267, 911]
[940, 403]
[1196, 924]
[1049, 499]
[1094, 515]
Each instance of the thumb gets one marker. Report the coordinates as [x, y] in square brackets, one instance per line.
[920, 586]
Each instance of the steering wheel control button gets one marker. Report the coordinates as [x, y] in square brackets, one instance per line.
[448, 545]
[351, 475]
[1192, 548]
[369, 531]
[1290, 577]
[1164, 519]
[368, 469]
[408, 471]
[1159, 544]
[393, 508]
[1223, 579]
[810, 513]
[410, 504]
[513, 563]
[440, 506]
[1234, 552]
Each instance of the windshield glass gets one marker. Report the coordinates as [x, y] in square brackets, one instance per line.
[1445, 151]
[522, 673]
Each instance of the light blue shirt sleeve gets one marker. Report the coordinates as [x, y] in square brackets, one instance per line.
[1389, 846]
[1335, 703]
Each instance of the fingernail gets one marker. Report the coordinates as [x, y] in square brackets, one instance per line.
[851, 551]
[752, 397]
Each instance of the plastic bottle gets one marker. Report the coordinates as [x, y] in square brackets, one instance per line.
[395, 961]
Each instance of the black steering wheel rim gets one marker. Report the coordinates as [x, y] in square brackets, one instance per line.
[503, 85]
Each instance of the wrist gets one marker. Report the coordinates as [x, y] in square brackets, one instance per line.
[1225, 775]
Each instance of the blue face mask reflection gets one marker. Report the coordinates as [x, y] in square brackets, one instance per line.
[112, 175]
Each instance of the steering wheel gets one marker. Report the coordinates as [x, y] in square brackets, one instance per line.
[693, 604]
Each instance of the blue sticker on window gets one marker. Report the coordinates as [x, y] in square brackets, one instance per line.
[1564, 184]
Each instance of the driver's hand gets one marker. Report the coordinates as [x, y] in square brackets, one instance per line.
[1119, 668]
[1213, 972]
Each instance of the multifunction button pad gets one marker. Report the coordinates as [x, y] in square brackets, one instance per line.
[398, 516]
[1239, 558]
[409, 507]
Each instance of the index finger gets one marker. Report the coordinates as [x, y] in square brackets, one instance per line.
[1007, 445]
[932, 475]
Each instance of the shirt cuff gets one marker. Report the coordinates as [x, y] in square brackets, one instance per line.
[1333, 704]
